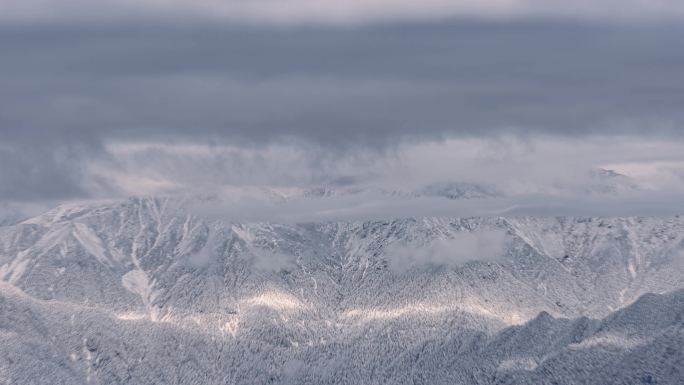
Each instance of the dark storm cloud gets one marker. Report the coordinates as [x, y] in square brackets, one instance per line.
[359, 86]
[38, 172]
[69, 89]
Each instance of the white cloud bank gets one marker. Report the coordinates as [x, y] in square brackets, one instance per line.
[554, 165]
[304, 183]
[338, 11]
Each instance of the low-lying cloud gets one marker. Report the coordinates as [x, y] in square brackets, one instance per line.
[292, 182]
[273, 261]
[370, 207]
[460, 248]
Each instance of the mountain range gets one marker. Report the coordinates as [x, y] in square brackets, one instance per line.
[149, 291]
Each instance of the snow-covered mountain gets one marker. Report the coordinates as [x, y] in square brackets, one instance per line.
[147, 291]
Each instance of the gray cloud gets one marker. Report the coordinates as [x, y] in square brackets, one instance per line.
[318, 104]
[39, 172]
[288, 12]
[368, 85]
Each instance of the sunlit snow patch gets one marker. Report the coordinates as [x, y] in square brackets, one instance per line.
[275, 300]
[137, 282]
[426, 309]
[609, 341]
[525, 363]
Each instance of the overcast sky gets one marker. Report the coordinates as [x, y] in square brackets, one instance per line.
[113, 98]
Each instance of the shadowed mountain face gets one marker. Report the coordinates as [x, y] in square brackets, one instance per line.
[147, 291]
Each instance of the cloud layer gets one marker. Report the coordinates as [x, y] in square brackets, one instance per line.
[341, 87]
[338, 11]
[117, 98]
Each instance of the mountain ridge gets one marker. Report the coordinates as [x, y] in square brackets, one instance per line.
[334, 285]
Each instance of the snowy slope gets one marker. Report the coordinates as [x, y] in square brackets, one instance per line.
[146, 291]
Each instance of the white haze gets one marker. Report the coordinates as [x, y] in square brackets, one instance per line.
[369, 206]
[551, 175]
[516, 164]
[272, 261]
[483, 245]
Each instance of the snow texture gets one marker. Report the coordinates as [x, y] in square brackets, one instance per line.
[145, 291]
